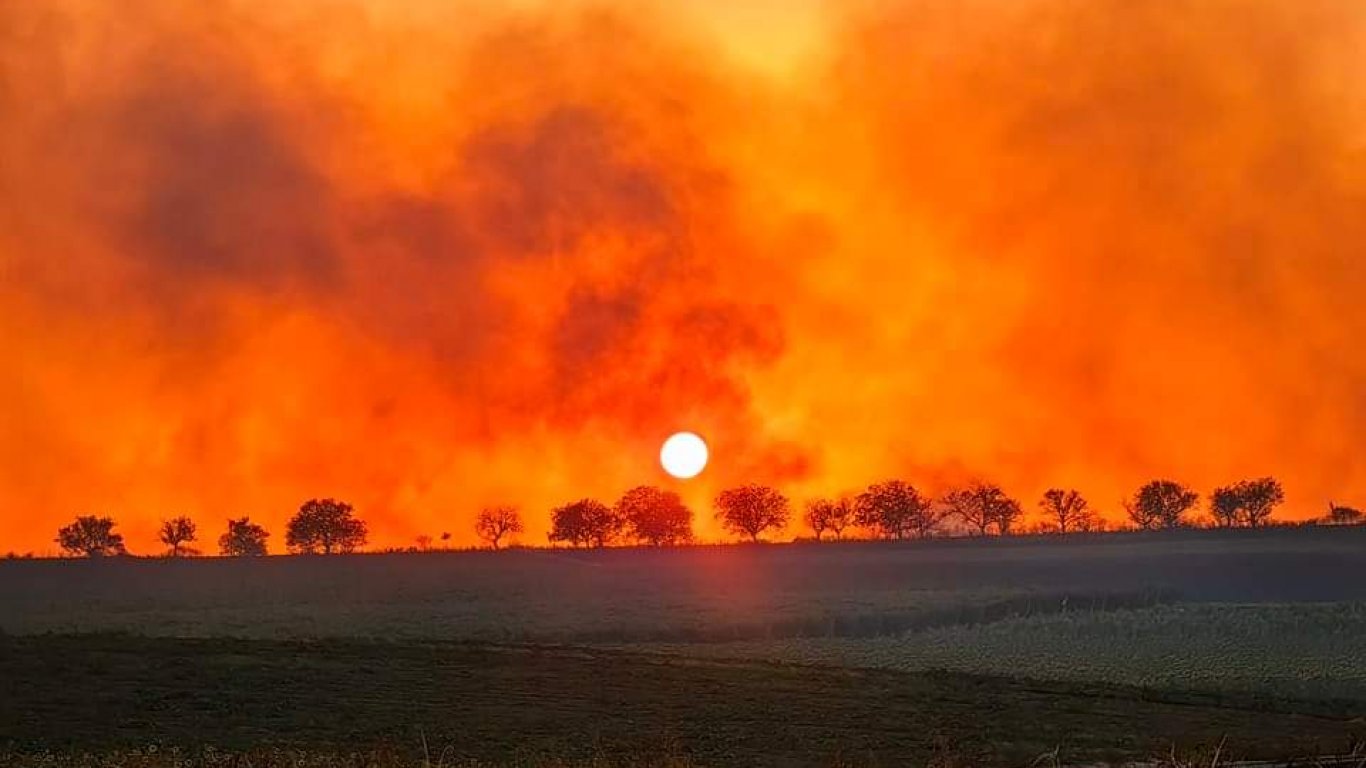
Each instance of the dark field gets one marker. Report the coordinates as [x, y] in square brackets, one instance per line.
[1104, 648]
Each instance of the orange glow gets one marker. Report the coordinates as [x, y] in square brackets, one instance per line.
[427, 259]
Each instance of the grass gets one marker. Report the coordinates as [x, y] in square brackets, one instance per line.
[103, 694]
[689, 594]
[1308, 650]
[154, 757]
[939, 653]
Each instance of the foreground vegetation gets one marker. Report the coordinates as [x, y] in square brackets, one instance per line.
[1314, 650]
[154, 757]
[985, 651]
[502, 704]
[687, 594]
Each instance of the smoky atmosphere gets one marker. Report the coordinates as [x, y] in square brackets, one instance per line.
[405, 383]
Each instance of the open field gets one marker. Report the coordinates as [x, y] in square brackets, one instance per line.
[498, 703]
[995, 651]
[1312, 650]
[691, 593]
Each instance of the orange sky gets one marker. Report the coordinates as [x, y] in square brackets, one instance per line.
[427, 258]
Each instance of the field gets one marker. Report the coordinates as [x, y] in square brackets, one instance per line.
[1106, 647]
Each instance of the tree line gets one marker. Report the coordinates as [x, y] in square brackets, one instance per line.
[321, 526]
[893, 509]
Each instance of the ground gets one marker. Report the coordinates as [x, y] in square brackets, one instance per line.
[1097, 647]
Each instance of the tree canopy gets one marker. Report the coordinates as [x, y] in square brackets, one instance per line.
[832, 515]
[176, 533]
[91, 536]
[327, 526]
[984, 506]
[896, 510]
[749, 510]
[655, 516]
[586, 522]
[243, 539]
[496, 523]
[1161, 504]
[1067, 509]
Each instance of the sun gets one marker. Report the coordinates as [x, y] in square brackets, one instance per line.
[683, 455]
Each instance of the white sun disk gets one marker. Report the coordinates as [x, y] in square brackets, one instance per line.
[683, 455]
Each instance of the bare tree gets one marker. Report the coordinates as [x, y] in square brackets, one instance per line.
[655, 516]
[983, 506]
[424, 543]
[243, 539]
[176, 533]
[91, 536]
[586, 522]
[896, 510]
[326, 526]
[495, 523]
[1067, 509]
[1161, 504]
[750, 510]
[832, 515]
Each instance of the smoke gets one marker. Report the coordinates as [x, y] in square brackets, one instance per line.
[429, 261]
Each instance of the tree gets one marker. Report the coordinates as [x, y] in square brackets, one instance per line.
[177, 532]
[1225, 506]
[243, 539]
[655, 516]
[832, 515]
[586, 522]
[1260, 498]
[327, 526]
[982, 506]
[495, 523]
[1340, 515]
[895, 509]
[749, 510]
[1247, 502]
[1161, 504]
[1067, 509]
[91, 536]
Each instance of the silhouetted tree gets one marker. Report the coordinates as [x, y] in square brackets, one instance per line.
[243, 539]
[983, 506]
[327, 526]
[495, 523]
[1247, 502]
[749, 510]
[1340, 515]
[586, 522]
[91, 536]
[1226, 506]
[896, 510]
[1067, 509]
[176, 533]
[424, 543]
[1260, 498]
[655, 516]
[1161, 504]
[832, 515]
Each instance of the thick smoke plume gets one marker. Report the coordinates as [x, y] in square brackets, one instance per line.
[430, 260]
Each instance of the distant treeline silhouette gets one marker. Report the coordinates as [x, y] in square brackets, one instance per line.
[646, 515]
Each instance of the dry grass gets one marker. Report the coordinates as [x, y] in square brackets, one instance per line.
[156, 757]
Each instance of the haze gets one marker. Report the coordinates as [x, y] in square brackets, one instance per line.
[428, 260]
